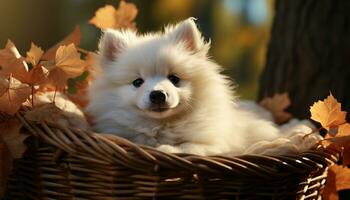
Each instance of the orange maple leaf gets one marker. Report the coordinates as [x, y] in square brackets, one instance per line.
[13, 64]
[73, 37]
[328, 113]
[34, 54]
[277, 105]
[109, 17]
[14, 95]
[67, 65]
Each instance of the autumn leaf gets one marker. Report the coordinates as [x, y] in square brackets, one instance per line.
[46, 113]
[12, 63]
[109, 17]
[62, 113]
[68, 59]
[73, 37]
[34, 54]
[67, 65]
[328, 113]
[15, 94]
[277, 105]
[39, 75]
[3, 86]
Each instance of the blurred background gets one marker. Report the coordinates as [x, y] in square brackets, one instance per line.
[238, 29]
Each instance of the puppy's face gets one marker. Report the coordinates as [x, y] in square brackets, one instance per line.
[152, 75]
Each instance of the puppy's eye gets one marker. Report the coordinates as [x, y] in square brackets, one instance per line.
[174, 79]
[138, 82]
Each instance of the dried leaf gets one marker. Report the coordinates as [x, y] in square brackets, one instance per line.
[109, 17]
[39, 75]
[328, 112]
[73, 37]
[330, 190]
[45, 113]
[62, 113]
[34, 54]
[68, 59]
[16, 93]
[338, 178]
[67, 65]
[277, 105]
[3, 86]
[340, 144]
[13, 64]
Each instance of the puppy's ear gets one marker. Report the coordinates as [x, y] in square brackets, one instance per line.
[111, 44]
[187, 32]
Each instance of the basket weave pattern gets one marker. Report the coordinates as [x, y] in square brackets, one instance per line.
[68, 163]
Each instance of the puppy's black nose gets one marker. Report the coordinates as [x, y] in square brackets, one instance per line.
[157, 97]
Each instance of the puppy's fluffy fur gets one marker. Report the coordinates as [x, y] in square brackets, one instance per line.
[199, 115]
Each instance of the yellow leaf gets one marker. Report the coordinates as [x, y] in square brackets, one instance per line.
[34, 54]
[344, 130]
[68, 59]
[109, 17]
[328, 113]
[15, 94]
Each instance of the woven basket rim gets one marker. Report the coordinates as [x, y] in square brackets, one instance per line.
[107, 148]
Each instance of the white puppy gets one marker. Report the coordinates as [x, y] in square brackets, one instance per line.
[162, 90]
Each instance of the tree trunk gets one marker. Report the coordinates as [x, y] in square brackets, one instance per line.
[309, 53]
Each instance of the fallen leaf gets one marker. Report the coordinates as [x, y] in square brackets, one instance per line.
[34, 54]
[109, 17]
[45, 113]
[340, 144]
[62, 113]
[13, 64]
[68, 59]
[13, 138]
[3, 86]
[73, 37]
[328, 113]
[338, 178]
[15, 94]
[344, 129]
[277, 105]
[39, 75]
[67, 65]
[330, 190]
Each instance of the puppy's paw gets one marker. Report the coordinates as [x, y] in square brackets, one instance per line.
[168, 149]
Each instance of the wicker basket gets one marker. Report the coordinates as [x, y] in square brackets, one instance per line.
[68, 163]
